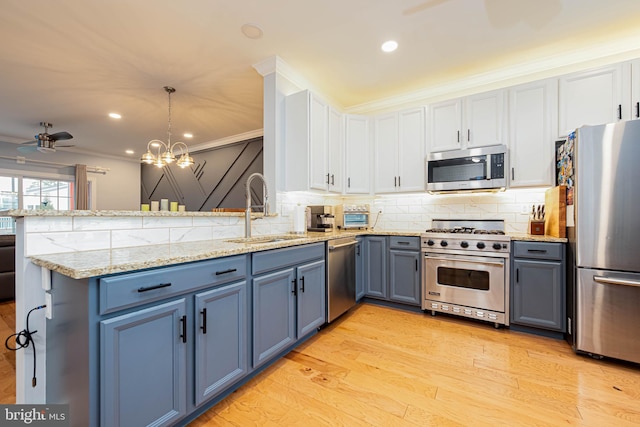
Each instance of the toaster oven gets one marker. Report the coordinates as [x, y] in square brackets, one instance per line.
[352, 216]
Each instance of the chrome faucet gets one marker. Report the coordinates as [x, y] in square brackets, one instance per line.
[265, 206]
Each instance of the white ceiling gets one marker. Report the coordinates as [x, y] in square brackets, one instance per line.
[70, 62]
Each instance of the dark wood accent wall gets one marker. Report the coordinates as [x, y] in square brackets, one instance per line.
[216, 180]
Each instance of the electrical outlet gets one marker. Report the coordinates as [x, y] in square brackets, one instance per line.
[48, 310]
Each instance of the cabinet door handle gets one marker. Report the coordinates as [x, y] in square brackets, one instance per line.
[537, 251]
[204, 320]
[458, 136]
[637, 110]
[468, 134]
[349, 182]
[332, 180]
[619, 111]
[294, 289]
[517, 275]
[358, 250]
[302, 282]
[513, 174]
[416, 265]
[327, 179]
[398, 181]
[231, 270]
[183, 324]
[151, 288]
[395, 181]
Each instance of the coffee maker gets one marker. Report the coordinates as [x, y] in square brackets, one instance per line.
[320, 218]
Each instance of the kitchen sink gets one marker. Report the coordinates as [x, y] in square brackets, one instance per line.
[264, 239]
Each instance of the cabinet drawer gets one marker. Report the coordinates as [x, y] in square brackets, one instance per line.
[128, 290]
[280, 258]
[409, 243]
[538, 250]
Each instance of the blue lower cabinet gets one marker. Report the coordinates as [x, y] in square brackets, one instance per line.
[273, 314]
[360, 291]
[311, 307]
[375, 266]
[404, 276]
[143, 367]
[287, 305]
[392, 268]
[221, 331]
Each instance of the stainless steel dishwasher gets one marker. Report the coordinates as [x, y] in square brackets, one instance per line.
[341, 276]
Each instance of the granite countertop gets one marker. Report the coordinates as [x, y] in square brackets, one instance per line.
[85, 264]
[537, 238]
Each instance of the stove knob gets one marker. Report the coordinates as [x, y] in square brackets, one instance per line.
[430, 242]
[464, 244]
[443, 243]
[497, 246]
[480, 245]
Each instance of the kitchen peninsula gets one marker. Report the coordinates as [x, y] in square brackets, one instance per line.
[90, 263]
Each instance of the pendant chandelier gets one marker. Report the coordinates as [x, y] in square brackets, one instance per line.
[165, 154]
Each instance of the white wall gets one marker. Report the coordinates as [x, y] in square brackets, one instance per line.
[118, 189]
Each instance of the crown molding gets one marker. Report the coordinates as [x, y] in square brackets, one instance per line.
[227, 140]
[529, 70]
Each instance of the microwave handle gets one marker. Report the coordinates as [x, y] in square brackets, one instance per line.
[489, 162]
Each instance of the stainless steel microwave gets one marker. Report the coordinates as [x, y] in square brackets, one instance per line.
[475, 169]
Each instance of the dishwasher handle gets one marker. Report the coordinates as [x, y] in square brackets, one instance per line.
[332, 247]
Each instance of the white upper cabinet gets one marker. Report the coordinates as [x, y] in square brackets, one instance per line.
[485, 117]
[474, 121]
[445, 123]
[318, 144]
[335, 156]
[314, 144]
[400, 151]
[635, 89]
[358, 155]
[533, 117]
[593, 97]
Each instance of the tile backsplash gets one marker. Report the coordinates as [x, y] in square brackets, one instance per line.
[57, 234]
[415, 211]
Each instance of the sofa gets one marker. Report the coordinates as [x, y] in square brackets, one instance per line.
[7, 267]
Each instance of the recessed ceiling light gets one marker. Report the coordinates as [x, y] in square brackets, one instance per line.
[188, 135]
[389, 46]
[252, 31]
[129, 151]
[115, 116]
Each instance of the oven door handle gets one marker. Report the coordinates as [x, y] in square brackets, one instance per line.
[496, 264]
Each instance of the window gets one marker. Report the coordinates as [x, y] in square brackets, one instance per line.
[47, 194]
[36, 193]
[8, 200]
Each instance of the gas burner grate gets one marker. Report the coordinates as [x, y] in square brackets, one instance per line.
[500, 232]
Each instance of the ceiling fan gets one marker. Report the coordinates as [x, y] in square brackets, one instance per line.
[45, 142]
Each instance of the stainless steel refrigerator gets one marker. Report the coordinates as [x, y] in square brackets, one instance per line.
[606, 240]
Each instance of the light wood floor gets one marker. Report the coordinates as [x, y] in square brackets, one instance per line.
[384, 367]
[7, 357]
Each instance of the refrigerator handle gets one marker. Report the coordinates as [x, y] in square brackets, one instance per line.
[619, 111]
[613, 281]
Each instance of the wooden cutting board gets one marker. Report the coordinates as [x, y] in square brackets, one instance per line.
[555, 208]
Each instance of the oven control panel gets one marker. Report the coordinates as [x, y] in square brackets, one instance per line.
[474, 244]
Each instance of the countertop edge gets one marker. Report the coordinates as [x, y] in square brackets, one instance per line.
[76, 265]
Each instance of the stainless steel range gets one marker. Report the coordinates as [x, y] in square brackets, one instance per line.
[466, 269]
